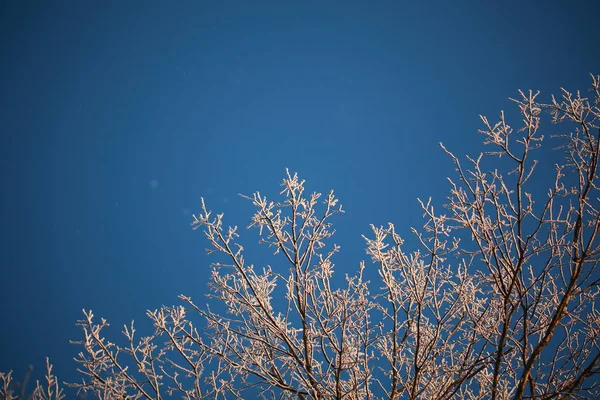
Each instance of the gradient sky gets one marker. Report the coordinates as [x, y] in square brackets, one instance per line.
[118, 116]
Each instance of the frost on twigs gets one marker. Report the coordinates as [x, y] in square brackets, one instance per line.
[494, 297]
[498, 299]
[48, 390]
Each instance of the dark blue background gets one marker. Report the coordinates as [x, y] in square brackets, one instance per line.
[118, 116]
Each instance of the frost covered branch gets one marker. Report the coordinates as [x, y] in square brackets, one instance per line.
[494, 297]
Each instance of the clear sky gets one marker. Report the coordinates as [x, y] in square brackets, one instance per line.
[116, 117]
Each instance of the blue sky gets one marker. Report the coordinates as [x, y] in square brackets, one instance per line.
[118, 116]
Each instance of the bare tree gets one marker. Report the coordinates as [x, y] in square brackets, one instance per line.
[498, 301]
